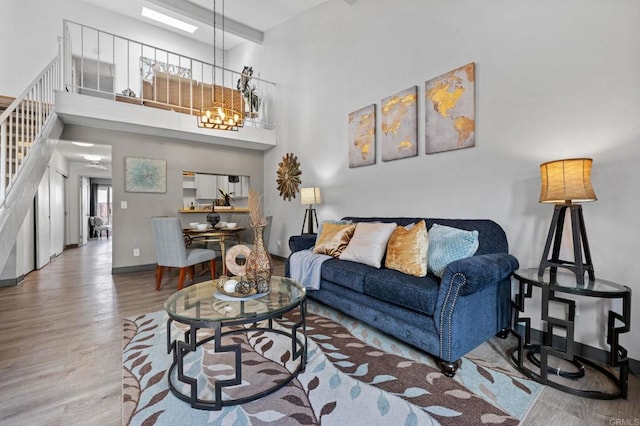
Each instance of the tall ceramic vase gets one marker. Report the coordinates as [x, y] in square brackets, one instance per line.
[259, 263]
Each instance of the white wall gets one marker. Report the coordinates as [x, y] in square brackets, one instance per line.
[553, 80]
[33, 27]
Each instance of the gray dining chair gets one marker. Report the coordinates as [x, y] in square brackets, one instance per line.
[171, 251]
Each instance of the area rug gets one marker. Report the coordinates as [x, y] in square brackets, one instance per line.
[354, 375]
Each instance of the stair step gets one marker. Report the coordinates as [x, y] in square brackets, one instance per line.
[5, 101]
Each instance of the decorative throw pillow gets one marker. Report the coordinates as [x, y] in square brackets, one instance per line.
[407, 249]
[447, 244]
[369, 243]
[335, 222]
[333, 239]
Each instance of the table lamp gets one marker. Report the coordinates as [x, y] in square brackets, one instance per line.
[565, 182]
[310, 196]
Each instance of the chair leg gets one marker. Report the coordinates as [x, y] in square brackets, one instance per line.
[183, 272]
[159, 273]
[212, 267]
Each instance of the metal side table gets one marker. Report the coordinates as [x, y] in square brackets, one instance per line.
[538, 353]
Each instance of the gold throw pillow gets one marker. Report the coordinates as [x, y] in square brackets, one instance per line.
[407, 249]
[334, 239]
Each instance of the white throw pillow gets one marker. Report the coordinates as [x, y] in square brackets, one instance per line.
[369, 243]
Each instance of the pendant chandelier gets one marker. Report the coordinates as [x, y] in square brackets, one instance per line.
[220, 114]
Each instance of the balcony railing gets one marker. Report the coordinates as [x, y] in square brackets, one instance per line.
[98, 63]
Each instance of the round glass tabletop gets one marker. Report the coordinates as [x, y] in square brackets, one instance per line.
[204, 303]
[565, 281]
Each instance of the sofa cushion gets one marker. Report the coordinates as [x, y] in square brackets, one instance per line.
[447, 244]
[346, 274]
[417, 293]
[334, 239]
[369, 243]
[407, 249]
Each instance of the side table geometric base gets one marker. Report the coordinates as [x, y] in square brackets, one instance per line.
[552, 346]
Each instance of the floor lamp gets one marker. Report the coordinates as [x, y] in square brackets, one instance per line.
[310, 196]
[565, 182]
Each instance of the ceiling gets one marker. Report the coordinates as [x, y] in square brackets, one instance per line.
[245, 22]
[244, 19]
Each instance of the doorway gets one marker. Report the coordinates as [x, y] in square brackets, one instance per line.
[100, 200]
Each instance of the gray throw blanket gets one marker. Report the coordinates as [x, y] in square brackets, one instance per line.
[305, 267]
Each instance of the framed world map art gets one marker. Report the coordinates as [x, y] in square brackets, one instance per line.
[450, 110]
[399, 125]
[145, 175]
[362, 137]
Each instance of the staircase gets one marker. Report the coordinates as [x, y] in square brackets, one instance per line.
[29, 130]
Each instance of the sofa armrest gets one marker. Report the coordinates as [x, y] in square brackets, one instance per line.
[473, 302]
[301, 242]
[480, 271]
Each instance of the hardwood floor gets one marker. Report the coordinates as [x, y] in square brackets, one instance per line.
[60, 359]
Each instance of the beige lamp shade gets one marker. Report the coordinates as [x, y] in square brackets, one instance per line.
[310, 195]
[566, 181]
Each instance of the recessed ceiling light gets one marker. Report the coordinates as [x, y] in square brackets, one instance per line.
[168, 20]
[92, 157]
[96, 165]
[82, 143]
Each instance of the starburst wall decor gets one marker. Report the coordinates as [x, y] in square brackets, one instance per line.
[288, 176]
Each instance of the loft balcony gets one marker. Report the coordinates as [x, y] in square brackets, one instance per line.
[112, 82]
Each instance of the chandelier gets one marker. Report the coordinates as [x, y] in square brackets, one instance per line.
[220, 115]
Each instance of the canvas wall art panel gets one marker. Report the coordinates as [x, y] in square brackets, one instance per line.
[399, 125]
[145, 175]
[362, 137]
[450, 110]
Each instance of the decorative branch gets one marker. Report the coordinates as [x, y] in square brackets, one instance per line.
[255, 209]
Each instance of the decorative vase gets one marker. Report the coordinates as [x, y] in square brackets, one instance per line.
[213, 218]
[259, 263]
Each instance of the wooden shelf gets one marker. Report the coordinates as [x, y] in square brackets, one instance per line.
[218, 210]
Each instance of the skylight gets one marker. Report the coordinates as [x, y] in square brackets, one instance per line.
[168, 20]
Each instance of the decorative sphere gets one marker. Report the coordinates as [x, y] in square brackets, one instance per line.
[213, 218]
[230, 286]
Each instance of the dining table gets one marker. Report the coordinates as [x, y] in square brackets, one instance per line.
[221, 236]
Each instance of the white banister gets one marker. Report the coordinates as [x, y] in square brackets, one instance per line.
[22, 122]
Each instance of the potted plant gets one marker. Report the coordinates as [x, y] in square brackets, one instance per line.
[227, 197]
[249, 92]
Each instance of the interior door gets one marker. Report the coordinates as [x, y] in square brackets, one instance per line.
[43, 217]
[83, 226]
[56, 203]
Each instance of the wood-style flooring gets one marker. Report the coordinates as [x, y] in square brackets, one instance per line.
[60, 355]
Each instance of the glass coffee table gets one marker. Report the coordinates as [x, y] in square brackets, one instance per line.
[207, 315]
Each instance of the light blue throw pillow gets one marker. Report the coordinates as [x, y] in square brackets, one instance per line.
[447, 244]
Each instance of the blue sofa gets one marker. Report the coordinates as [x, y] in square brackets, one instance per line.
[445, 317]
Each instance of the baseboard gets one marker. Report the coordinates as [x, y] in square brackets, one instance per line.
[152, 266]
[134, 268]
[12, 282]
[596, 354]
[71, 246]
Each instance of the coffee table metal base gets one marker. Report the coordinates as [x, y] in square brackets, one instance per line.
[181, 349]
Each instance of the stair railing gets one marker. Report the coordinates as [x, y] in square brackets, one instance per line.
[22, 122]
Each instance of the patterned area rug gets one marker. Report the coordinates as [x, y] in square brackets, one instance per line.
[354, 375]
